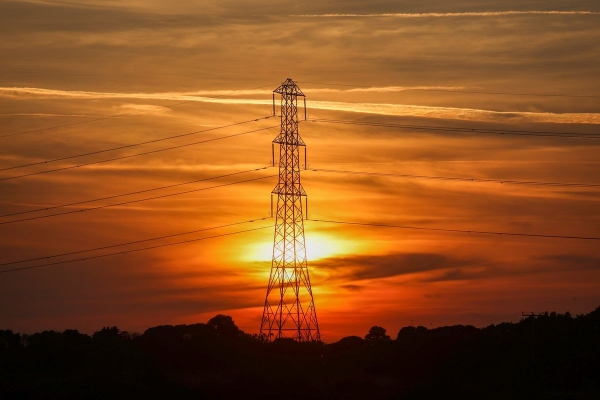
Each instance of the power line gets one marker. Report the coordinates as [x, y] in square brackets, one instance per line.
[461, 129]
[135, 155]
[133, 251]
[130, 243]
[463, 91]
[124, 114]
[453, 178]
[134, 201]
[86, 122]
[131, 145]
[131, 193]
[459, 230]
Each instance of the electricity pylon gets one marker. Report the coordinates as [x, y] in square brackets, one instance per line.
[289, 305]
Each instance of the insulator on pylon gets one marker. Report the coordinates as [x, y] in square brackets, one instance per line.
[305, 108]
[305, 164]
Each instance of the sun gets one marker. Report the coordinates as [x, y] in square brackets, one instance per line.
[318, 246]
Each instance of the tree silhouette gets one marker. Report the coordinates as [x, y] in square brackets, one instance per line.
[224, 326]
[110, 335]
[376, 335]
[217, 360]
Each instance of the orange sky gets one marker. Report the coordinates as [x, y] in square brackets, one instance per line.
[66, 62]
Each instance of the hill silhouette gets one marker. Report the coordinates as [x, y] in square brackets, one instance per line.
[553, 356]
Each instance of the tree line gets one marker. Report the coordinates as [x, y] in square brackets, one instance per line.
[549, 356]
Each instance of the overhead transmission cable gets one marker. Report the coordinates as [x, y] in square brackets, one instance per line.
[129, 113]
[135, 155]
[128, 146]
[112, 246]
[462, 129]
[457, 230]
[134, 201]
[265, 227]
[460, 91]
[461, 179]
[133, 251]
[130, 193]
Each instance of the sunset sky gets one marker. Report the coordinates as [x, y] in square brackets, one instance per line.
[167, 68]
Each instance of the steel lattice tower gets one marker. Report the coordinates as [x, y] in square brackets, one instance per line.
[289, 305]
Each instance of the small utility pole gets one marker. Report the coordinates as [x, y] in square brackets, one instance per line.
[533, 316]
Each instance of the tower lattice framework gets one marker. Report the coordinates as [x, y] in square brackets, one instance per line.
[289, 310]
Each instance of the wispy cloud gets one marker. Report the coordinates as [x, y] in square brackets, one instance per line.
[467, 114]
[45, 115]
[144, 109]
[78, 94]
[402, 110]
[191, 95]
[448, 15]
[434, 267]
[382, 89]
[364, 267]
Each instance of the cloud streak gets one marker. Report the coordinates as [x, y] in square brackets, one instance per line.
[46, 115]
[448, 15]
[466, 114]
[400, 110]
[12, 92]
[365, 267]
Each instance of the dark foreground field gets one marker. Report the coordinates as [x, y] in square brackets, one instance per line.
[553, 356]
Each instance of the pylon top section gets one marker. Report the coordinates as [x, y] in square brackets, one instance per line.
[289, 87]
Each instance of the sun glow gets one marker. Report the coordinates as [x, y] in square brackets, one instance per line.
[318, 246]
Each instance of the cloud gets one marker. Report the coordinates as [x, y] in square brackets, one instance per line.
[362, 267]
[447, 14]
[46, 115]
[553, 262]
[380, 89]
[466, 114]
[352, 288]
[125, 5]
[403, 110]
[12, 92]
[434, 267]
[144, 109]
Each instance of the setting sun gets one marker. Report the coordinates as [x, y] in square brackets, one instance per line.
[318, 246]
